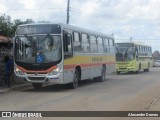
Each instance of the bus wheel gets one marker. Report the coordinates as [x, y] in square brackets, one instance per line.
[103, 75]
[118, 72]
[37, 86]
[76, 80]
[138, 69]
[137, 72]
[147, 70]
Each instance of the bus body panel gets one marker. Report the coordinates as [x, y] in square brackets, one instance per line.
[143, 61]
[89, 64]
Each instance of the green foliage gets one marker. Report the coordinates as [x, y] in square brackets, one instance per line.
[5, 25]
[8, 28]
[156, 55]
[19, 22]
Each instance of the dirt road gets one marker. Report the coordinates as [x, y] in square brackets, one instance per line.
[124, 92]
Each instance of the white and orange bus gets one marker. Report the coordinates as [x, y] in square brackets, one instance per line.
[61, 54]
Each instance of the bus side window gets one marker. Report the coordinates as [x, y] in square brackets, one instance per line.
[100, 44]
[136, 52]
[76, 42]
[93, 44]
[85, 43]
[111, 45]
[106, 45]
[67, 40]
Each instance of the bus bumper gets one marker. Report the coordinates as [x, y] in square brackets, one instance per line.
[43, 78]
[128, 69]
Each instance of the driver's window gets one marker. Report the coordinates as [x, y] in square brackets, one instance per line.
[67, 39]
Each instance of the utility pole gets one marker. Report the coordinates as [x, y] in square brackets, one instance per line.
[68, 11]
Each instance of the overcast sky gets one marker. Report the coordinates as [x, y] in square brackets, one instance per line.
[139, 19]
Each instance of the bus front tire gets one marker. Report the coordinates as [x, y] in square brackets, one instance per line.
[137, 72]
[76, 79]
[147, 70]
[118, 72]
[37, 86]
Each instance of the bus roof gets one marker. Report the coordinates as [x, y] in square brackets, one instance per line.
[75, 28]
[136, 43]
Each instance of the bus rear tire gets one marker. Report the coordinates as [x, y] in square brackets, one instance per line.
[147, 70]
[103, 75]
[37, 86]
[137, 71]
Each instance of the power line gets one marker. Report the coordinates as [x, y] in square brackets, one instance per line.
[109, 17]
[33, 9]
[79, 11]
[92, 14]
[140, 39]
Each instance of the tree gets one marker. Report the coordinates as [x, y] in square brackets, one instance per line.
[156, 55]
[7, 28]
[19, 22]
[43, 21]
[5, 25]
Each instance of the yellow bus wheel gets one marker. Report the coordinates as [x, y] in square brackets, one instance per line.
[118, 72]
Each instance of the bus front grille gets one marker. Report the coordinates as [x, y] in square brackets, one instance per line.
[36, 78]
[122, 68]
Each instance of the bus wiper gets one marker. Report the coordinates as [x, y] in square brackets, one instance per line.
[51, 40]
[27, 36]
[127, 49]
[47, 36]
[117, 50]
[125, 53]
[30, 39]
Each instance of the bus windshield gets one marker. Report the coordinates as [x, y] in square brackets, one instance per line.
[38, 48]
[125, 53]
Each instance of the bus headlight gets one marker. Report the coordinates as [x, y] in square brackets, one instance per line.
[19, 72]
[55, 71]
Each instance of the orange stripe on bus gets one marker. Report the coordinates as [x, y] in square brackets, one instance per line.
[87, 65]
[36, 71]
[68, 66]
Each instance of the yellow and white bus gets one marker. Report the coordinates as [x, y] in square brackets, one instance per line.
[133, 57]
[61, 54]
